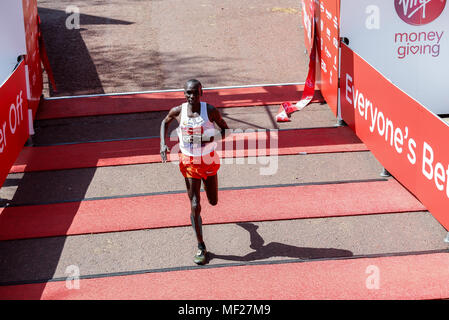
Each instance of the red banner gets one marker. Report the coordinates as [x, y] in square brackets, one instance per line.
[321, 22]
[32, 59]
[287, 108]
[406, 138]
[13, 119]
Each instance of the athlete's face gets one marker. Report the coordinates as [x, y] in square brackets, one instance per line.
[192, 93]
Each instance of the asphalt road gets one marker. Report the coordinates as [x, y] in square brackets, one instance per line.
[134, 45]
[124, 46]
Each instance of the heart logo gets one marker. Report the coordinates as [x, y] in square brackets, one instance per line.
[414, 49]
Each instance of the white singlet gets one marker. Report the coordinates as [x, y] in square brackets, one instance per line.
[193, 128]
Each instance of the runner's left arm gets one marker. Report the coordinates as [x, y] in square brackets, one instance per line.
[215, 116]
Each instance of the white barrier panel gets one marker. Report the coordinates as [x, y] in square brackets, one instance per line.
[12, 36]
[407, 41]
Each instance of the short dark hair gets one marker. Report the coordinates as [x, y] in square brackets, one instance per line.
[194, 82]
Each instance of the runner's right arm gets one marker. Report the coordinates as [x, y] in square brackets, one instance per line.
[172, 114]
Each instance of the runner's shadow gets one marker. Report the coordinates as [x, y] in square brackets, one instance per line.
[276, 249]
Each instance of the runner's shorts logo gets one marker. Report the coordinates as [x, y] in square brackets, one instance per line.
[419, 12]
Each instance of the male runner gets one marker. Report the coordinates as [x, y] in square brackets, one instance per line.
[198, 160]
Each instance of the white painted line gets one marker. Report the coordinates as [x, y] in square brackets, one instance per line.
[173, 90]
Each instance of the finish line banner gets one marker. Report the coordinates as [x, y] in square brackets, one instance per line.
[287, 108]
[411, 145]
[321, 23]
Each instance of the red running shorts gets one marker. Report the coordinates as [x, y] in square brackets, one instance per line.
[199, 167]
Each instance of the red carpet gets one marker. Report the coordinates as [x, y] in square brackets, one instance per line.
[126, 152]
[404, 277]
[161, 101]
[170, 210]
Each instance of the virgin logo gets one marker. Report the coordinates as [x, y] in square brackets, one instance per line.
[419, 12]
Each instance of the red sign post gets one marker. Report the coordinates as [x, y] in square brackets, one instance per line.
[32, 59]
[327, 13]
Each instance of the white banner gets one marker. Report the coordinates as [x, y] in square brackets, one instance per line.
[407, 41]
[12, 36]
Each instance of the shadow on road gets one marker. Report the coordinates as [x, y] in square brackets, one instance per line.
[276, 249]
[71, 62]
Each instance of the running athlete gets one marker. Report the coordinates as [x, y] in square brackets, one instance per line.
[198, 160]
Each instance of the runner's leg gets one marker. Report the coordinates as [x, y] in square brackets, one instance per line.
[193, 191]
[211, 188]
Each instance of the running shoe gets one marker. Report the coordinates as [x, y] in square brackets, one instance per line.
[200, 257]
